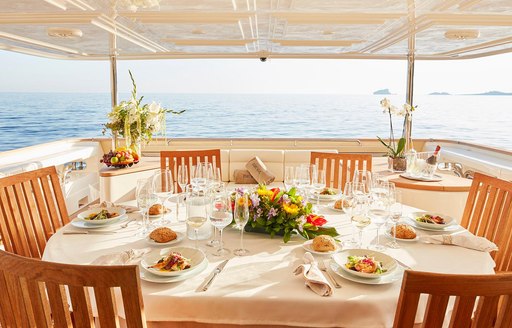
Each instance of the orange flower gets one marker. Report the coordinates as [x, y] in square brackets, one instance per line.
[316, 220]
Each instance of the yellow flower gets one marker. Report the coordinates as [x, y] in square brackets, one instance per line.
[291, 209]
[299, 198]
[241, 201]
[265, 192]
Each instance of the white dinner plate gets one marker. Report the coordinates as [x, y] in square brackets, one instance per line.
[387, 279]
[388, 263]
[390, 236]
[308, 246]
[450, 228]
[82, 224]
[447, 219]
[195, 256]
[118, 210]
[435, 177]
[179, 238]
[324, 198]
[147, 276]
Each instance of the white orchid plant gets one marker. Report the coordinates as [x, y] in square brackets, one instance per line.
[137, 122]
[396, 149]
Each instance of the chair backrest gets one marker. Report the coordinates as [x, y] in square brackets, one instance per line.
[489, 291]
[340, 168]
[41, 294]
[32, 208]
[488, 213]
[172, 159]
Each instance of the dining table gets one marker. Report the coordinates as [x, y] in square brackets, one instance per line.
[261, 288]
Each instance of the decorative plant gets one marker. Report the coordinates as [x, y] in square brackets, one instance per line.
[396, 149]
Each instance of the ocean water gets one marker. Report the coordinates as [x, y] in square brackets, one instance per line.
[32, 118]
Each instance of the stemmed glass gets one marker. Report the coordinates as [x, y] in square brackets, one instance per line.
[241, 217]
[197, 206]
[182, 179]
[359, 217]
[395, 213]
[289, 177]
[145, 199]
[364, 177]
[302, 178]
[199, 176]
[163, 186]
[378, 210]
[221, 215]
[217, 188]
[348, 205]
[318, 182]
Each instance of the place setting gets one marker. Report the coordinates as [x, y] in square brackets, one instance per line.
[98, 221]
[431, 221]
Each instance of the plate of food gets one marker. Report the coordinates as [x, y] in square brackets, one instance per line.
[326, 194]
[395, 276]
[323, 245]
[156, 211]
[365, 263]
[432, 221]
[164, 236]
[147, 276]
[173, 261]
[102, 216]
[338, 205]
[404, 232]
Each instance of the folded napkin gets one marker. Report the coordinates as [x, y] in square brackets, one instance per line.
[129, 257]
[314, 278]
[468, 241]
[127, 208]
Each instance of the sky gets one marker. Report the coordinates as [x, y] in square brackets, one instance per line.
[24, 73]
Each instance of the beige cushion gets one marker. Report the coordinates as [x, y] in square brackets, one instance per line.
[273, 159]
[259, 171]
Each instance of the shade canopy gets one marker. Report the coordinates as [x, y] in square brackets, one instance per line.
[150, 29]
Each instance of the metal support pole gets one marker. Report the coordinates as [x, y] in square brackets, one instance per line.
[113, 82]
[410, 75]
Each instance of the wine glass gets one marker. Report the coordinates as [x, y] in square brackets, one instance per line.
[163, 186]
[241, 217]
[199, 176]
[145, 199]
[289, 177]
[318, 182]
[395, 213]
[348, 204]
[359, 218]
[221, 215]
[197, 206]
[364, 177]
[213, 191]
[302, 178]
[182, 178]
[378, 211]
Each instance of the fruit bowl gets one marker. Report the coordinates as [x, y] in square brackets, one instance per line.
[120, 158]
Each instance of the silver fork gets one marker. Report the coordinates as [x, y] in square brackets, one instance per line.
[323, 268]
[124, 225]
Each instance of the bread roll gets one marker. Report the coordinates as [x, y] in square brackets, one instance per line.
[403, 231]
[339, 203]
[157, 209]
[324, 243]
[163, 235]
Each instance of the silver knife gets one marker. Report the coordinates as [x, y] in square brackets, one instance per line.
[216, 271]
[93, 232]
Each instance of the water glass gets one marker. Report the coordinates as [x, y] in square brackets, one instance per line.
[241, 218]
[289, 177]
[395, 213]
[182, 180]
[199, 176]
[318, 182]
[302, 178]
[348, 205]
[378, 211]
[145, 199]
[163, 186]
[364, 177]
[221, 215]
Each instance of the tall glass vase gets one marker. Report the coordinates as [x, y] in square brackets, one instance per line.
[136, 146]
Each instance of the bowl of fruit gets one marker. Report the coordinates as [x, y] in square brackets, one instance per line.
[120, 157]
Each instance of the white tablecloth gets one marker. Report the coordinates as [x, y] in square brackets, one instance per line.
[261, 288]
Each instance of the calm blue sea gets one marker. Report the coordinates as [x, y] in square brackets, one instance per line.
[32, 118]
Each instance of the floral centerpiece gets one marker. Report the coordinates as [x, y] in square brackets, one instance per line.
[281, 212]
[137, 122]
[396, 148]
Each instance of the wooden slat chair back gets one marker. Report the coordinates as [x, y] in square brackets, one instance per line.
[171, 160]
[484, 291]
[32, 209]
[488, 213]
[36, 293]
[340, 168]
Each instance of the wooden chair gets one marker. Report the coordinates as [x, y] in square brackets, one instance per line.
[340, 168]
[32, 209]
[40, 294]
[487, 291]
[488, 213]
[172, 159]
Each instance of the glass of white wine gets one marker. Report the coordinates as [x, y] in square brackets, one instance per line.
[197, 207]
[360, 219]
[241, 218]
[182, 180]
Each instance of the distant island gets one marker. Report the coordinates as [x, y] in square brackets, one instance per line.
[439, 94]
[382, 92]
[493, 93]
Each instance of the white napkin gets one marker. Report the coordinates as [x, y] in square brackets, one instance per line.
[129, 257]
[468, 241]
[314, 278]
[127, 208]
